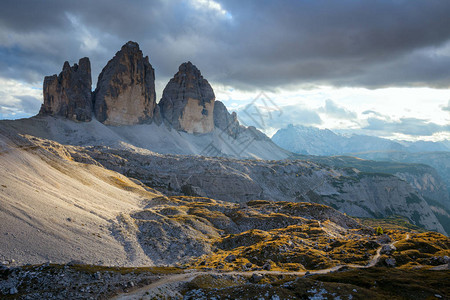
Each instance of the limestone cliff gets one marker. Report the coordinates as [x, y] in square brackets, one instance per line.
[125, 93]
[225, 121]
[69, 94]
[187, 103]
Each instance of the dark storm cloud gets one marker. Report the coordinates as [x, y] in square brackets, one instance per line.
[255, 45]
[410, 126]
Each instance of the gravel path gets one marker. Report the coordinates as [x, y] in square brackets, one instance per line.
[169, 283]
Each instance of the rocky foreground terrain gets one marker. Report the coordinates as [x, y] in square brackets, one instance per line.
[59, 204]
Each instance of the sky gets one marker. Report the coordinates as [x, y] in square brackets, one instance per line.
[368, 67]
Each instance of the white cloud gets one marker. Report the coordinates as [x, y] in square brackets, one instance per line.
[352, 108]
[211, 6]
[18, 99]
[446, 107]
[334, 110]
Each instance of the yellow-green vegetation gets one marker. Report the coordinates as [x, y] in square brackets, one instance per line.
[374, 283]
[390, 223]
[122, 270]
[293, 248]
[422, 249]
[120, 183]
[384, 283]
[285, 236]
[126, 184]
[379, 230]
[214, 282]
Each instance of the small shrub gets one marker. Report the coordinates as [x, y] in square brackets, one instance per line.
[379, 230]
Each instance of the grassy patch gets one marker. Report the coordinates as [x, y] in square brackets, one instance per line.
[391, 223]
[394, 283]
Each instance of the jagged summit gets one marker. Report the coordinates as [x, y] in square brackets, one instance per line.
[188, 101]
[125, 93]
[69, 94]
[131, 44]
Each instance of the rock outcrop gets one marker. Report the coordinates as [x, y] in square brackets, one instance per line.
[125, 93]
[69, 94]
[225, 121]
[187, 103]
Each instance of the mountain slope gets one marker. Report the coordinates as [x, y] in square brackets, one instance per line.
[422, 177]
[386, 156]
[54, 209]
[249, 143]
[356, 193]
[438, 160]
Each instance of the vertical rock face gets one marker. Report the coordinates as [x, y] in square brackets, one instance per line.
[225, 121]
[69, 94]
[188, 101]
[125, 93]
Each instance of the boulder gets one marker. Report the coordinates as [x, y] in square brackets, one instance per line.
[267, 266]
[13, 290]
[256, 277]
[187, 103]
[125, 93]
[230, 258]
[387, 249]
[390, 262]
[384, 239]
[69, 94]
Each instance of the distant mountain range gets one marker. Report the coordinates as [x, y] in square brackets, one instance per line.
[316, 145]
[314, 141]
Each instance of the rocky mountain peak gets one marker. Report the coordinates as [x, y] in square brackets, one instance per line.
[131, 45]
[69, 94]
[188, 101]
[66, 66]
[125, 93]
[189, 68]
